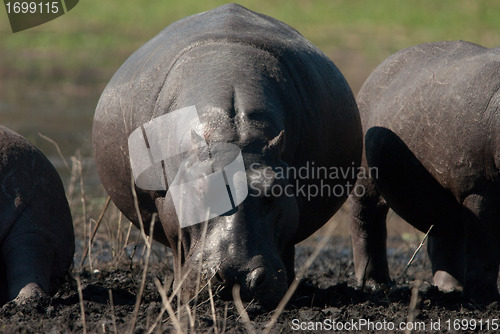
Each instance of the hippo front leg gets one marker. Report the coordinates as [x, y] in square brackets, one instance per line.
[369, 235]
[482, 248]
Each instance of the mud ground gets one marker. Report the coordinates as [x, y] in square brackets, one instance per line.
[326, 296]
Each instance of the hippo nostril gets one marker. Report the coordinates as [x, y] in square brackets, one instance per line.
[256, 280]
[218, 278]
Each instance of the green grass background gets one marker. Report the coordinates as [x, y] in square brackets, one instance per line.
[51, 76]
[100, 34]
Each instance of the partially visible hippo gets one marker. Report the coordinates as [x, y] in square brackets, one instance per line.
[258, 85]
[431, 114]
[36, 229]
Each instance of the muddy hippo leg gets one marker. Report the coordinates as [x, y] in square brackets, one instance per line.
[446, 253]
[482, 249]
[27, 258]
[289, 262]
[369, 234]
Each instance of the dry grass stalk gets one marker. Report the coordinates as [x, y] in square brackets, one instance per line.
[113, 317]
[178, 266]
[224, 321]
[177, 292]
[82, 307]
[413, 304]
[147, 241]
[166, 305]
[98, 223]
[416, 252]
[288, 295]
[198, 274]
[241, 310]
[246, 307]
[162, 290]
[58, 149]
[119, 237]
[72, 182]
[175, 316]
[79, 172]
[190, 317]
[212, 307]
[125, 243]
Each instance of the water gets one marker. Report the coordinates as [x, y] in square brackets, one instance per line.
[62, 113]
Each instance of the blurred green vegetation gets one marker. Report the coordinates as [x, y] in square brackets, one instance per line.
[100, 34]
[51, 76]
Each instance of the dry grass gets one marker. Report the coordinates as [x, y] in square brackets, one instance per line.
[182, 316]
[112, 228]
[112, 304]
[82, 307]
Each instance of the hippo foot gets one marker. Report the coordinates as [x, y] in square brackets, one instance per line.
[483, 295]
[373, 286]
[30, 299]
[446, 282]
[31, 292]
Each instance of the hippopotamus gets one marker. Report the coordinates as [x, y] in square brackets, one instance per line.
[240, 85]
[36, 229]
[431, 123]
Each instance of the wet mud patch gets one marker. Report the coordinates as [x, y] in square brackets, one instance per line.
[326, 297]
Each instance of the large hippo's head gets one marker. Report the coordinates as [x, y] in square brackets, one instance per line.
[251, 244]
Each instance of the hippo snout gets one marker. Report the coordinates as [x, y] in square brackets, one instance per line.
[262, 284]
[256, 280]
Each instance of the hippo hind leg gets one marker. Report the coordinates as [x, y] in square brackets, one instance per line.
[482, 247]
[27, 259]
[3, 284]
[369, 234]
[446, 253]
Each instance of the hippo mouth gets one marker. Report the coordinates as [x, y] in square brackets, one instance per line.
[256, 283]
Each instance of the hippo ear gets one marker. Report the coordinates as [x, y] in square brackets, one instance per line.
[277, 144]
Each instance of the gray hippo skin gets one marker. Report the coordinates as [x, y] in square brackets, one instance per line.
[258, 84]
[36, 229]
[431, 116]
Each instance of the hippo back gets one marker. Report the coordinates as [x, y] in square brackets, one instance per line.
[323, 126]
[451, 81]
